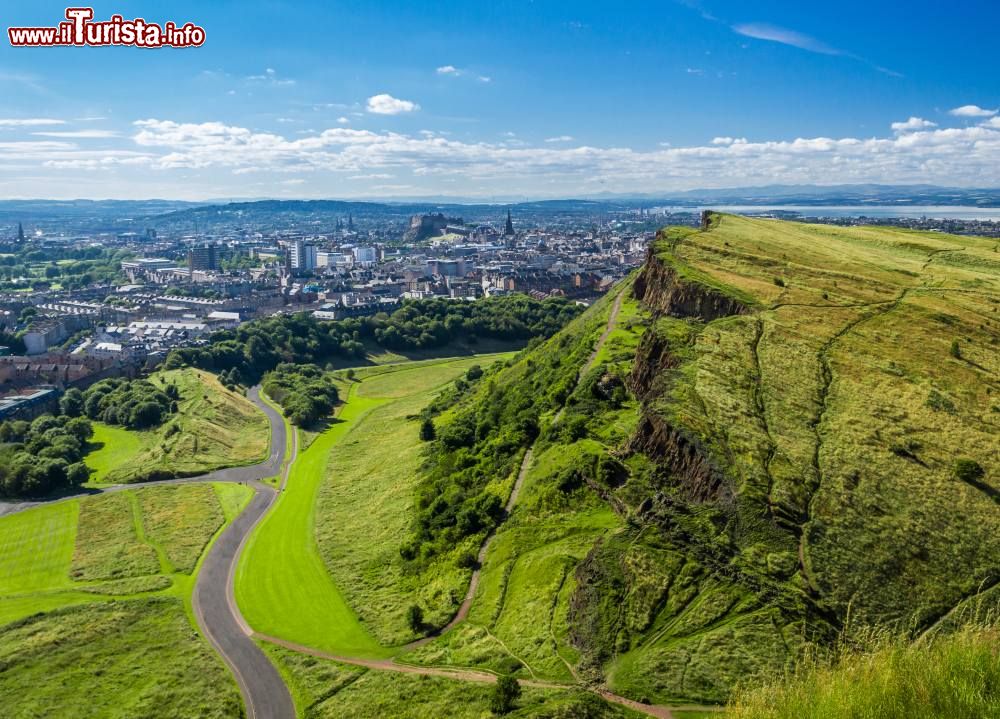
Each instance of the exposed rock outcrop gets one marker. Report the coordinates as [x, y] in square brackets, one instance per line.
[687, 460]
[652, 357]
[660, 288]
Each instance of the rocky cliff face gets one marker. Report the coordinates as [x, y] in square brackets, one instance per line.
[653, 357]
[660, 288]
[684, 457]
[689, 464]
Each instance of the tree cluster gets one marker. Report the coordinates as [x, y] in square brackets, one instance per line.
[43, 456]
[304, 392]
[135, 404]
[259, 346]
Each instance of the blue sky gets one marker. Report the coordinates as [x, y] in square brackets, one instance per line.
[497, 100]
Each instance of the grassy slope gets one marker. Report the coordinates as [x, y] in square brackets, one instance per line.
[283, 585]
[138, 658]
[518, 621]
[956, 677]
[214, 428]
[324, 689]
[687, 598]
[819, 409]
[368, 493]
[110, 546]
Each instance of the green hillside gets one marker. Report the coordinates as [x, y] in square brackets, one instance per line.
[789, 437]
[212, 428]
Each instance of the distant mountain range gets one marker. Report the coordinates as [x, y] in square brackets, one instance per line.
[129, 214]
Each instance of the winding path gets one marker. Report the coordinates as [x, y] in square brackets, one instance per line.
[265, 694]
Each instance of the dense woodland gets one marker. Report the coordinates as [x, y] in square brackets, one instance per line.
[46, 455]
[135, 404]
[258, 347]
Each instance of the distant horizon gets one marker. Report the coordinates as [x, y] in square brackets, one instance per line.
[638, 196]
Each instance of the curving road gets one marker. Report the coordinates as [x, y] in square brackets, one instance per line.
[265, 694]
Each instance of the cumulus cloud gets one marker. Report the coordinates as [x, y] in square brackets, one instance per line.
[560, 138]
[29, 122]
[972, 111]
[912, 125]
[385, 104]
[966, 155]
[448, 70]
[342, 120]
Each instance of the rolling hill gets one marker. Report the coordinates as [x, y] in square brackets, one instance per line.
[789, 438]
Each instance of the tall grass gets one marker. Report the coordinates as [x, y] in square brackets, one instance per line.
[947, 677]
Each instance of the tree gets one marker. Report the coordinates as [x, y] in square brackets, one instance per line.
[145, 414]
[505, 694]
[77, 474]
[415, 618]
[968, 470]
[71, 403]
[427, 431]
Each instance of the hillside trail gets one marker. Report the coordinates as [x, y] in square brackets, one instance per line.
[463, 610]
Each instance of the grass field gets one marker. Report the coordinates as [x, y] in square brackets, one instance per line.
[138, 658]
[117, 545]
[955, 676]
[213, 428]
[368, 492]
[325, 690]
[304, 570]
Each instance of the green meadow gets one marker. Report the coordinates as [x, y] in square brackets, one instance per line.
[95, 605]
[306, 576]
[213, 428]
[110, 546]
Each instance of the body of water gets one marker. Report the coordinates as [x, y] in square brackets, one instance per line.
[943, 212]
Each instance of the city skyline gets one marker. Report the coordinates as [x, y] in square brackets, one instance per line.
[517, 100]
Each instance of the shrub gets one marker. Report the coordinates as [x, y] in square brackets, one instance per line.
[415, 618]
[968, 470]
[505, 694]
[427, 431]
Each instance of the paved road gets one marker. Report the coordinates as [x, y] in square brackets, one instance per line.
[268, 468]
[264, 692]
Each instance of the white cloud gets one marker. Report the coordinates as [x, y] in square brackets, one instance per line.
[29, 122]
[343, 120]
[912, 125]
[485, 78]
[968, 155]
[385, 104]
[972, 111]
[773, 33]
[448, 70]
[162, 154]
[560, 138]
[270, 77]
[78, 134]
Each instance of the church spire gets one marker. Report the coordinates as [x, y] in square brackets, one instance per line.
[509, 227]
